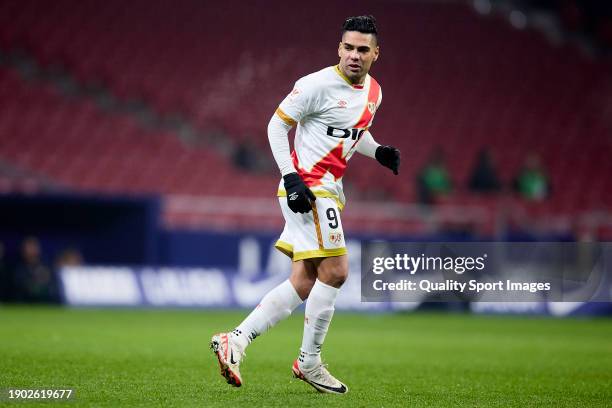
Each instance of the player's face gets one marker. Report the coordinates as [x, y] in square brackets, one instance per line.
[357, 52]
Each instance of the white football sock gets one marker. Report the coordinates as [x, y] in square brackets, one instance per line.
[275, 306]
[318, 316]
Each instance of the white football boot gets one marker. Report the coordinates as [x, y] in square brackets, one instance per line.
[319, 378]
[229, 356]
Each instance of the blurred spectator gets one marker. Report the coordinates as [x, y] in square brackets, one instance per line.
[484, 178]
[34, 280]
[245, 157]
[68, 257]
[433, 181]
[531, 182]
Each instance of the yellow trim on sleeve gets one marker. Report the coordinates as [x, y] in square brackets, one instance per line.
[286, 118]
[317, 193]
[321, 253]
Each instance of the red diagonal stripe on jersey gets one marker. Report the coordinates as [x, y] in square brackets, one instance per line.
[332, 162]
[367, 115]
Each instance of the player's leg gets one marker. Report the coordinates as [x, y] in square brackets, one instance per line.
[332, 271]
[275, 306]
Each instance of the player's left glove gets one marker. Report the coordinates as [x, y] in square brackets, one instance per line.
[389, 157]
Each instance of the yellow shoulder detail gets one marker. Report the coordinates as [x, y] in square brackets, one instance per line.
[286, 118]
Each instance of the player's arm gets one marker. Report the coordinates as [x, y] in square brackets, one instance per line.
[388, 156]
[278, 136]
[293, 108]
[298, 195]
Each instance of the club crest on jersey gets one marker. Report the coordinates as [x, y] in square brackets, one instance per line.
[372, 107]
[335, 237]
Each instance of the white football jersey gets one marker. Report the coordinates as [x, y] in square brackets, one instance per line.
[331, 116]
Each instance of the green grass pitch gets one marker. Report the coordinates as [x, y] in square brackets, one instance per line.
[116, 358]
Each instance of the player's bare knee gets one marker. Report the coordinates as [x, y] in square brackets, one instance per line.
[304, 288]
[333, 271]
[339, 276]
[302, 284]
[334, 275]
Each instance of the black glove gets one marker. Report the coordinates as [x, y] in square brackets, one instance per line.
[389, 157]
[298, 195]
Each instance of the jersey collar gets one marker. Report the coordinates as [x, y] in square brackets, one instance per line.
[348, 81]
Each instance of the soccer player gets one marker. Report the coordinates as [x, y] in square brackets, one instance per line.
[333, 110]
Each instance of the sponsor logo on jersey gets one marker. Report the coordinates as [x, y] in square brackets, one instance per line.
[354, 133]
[342, 103]
[335, 237]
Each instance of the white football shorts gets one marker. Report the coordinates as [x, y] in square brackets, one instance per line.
[317, 234]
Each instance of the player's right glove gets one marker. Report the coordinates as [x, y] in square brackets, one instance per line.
[298, 194]
[389, 157]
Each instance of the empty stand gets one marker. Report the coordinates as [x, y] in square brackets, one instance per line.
[450, 78]
[82, 147]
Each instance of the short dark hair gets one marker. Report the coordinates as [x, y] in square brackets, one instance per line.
[363, 24]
